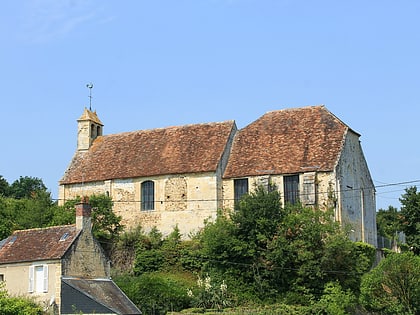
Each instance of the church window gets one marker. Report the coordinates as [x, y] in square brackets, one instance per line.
[240, 188]
[291, 189]
[148, 195]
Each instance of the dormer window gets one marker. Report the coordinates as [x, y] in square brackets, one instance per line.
[13, 239]
[64, 237]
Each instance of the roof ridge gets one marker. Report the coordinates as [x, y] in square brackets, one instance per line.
[44, 228]
[170, 127]
[296, 108]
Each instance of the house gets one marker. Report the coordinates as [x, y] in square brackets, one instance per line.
[63, 268]
[181, 176]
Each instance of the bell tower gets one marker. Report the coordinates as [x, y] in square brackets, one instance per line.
[89, 128]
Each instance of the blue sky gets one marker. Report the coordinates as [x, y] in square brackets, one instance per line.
[161, 63]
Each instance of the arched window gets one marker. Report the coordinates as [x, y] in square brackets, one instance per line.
[148, 195]
[92, 131]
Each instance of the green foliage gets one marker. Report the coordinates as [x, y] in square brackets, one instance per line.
[208, 294]
[335, 301]
[274, 251]
[393, 286]
[155, 253]
[106, 225]
[387, 222]
[257, 217]
[26, 187]
[124, 249]
[17, 305]
[156, 293]
[25, 213]
[410, 218]
[4, 187]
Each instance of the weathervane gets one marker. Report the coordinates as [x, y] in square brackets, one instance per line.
[90, 86]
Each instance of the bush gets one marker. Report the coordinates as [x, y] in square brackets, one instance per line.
[156, 293]
[393, 286]
[17, 305]
[335, 301]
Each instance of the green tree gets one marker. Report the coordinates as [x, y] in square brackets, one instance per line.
[393, 286]
[156, 293]
[106, 225]
[388, 223]
[410, 218]
[4, 187]
[294, 250]
[27, 187]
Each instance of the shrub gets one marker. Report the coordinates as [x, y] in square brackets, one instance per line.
[156, 293]
[393, 286]
[17, 305]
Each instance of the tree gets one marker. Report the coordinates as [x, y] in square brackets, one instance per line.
[410, 218]
[4, 187]
[27, 187]
[293, 250]
[387, 221]
[393, 286]
[106, 225]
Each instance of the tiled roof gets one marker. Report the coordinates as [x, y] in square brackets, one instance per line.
[92, 296]
[37, 244]
[286, 142]
[172, 150]
[89, 115]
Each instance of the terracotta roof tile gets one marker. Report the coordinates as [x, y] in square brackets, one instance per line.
[172, 150]
[287, 141]
[37, 244]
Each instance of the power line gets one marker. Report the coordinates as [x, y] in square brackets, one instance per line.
[318, 193]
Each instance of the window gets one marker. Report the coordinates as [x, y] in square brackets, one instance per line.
[1, 277]
[64, 237]
[148, 195]
[38, 278]
[291, 189]
[240, 188]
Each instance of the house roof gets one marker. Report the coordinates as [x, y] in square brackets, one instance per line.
[94, 296]
[286, 142]
[173, 150]
[37, 244]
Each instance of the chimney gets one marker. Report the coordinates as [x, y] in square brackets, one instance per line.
[83, 212]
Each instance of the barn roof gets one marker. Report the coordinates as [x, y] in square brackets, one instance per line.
[287, 141]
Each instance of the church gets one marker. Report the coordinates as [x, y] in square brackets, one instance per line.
[183, 175]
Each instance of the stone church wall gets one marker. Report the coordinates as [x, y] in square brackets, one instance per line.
[184, 200]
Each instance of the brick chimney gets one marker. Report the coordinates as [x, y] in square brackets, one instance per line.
[83, 215]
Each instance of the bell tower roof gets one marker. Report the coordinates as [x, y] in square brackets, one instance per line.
[90, 116]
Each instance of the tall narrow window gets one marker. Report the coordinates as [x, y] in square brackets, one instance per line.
[291, 189]
[148, 195]
[240, 188]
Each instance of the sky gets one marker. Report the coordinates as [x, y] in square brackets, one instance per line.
[159, 63]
